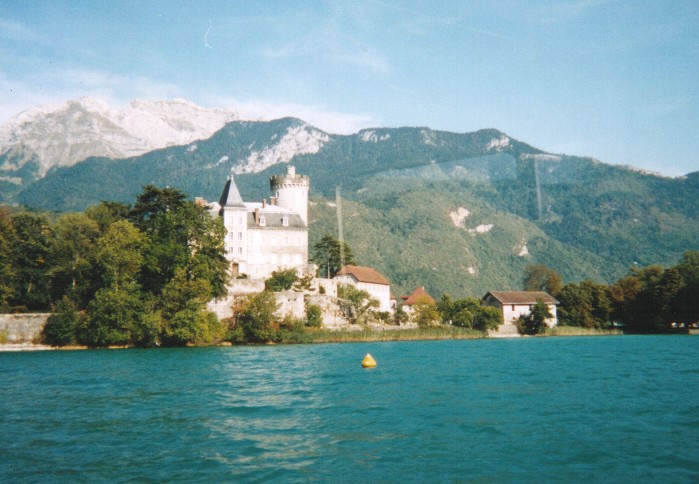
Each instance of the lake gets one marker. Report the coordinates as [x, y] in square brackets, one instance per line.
[618, 408]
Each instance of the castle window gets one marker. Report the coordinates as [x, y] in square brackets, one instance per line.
[240, 251]
[263, 221]
[240, 220]
[285, 221]
[240, 236]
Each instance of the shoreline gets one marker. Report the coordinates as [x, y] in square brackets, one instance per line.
[369, 335]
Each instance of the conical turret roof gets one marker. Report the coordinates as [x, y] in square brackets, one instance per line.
[231, 196]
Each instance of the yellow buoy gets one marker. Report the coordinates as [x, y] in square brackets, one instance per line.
[369, 361]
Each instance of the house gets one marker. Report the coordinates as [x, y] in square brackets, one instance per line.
[263, 237]
[419, 295]
[369, 280]
[514, 304]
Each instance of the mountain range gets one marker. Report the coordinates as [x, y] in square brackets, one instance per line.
[461, 213]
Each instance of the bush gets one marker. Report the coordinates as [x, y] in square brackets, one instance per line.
[314, 316]
[281, 280]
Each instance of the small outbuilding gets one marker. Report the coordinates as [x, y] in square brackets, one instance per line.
[514, 304]
[419, 295]
[369, 280]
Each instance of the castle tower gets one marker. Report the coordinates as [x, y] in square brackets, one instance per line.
[291, 191]
[235, 220]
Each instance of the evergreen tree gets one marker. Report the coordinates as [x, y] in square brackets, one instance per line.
[327, 254]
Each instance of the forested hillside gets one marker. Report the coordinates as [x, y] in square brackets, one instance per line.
[458, 213]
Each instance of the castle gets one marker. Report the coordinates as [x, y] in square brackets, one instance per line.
[264, 237]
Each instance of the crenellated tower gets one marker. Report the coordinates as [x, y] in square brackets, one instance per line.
[291, 191]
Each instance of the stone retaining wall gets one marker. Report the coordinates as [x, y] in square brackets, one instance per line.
[22, 328]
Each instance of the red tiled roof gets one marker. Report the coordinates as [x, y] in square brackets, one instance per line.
[522, 297]
[418, 295]
[364, 274]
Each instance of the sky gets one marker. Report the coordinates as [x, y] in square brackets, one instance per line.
[617, 80]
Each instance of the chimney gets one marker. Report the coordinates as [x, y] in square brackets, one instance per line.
[273, 201]
[264, 202]
[257, 215]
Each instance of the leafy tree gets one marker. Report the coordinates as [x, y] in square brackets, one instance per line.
[586, 304]
[327, 254]
[256, 318]
[119, 251]
[487, 318]
[534, 322]
[106, 213]
[72, 254]
[281, 280]
[30, 253]
[469, 313]
[356, 302]
[425, 313]
[60, 327]
[153, 202]
[115, 316]
[314, 316]
[7, 266]
[538, 277]
[185, 318]
[181, 234]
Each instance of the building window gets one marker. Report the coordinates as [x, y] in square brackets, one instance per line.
[285, 221]
[240, 236]
[286, 240]
[263, 221]
[513, 307]
[240, 251]
[240, 220]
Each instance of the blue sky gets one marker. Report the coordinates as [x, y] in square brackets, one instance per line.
[616, 80]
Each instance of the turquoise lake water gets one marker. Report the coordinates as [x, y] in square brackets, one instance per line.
[605, 409]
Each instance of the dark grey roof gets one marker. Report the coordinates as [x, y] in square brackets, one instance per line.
[231, 196]
[522, 297]
[273, 220]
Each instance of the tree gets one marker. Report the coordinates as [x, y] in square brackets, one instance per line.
[327, 254]
[115, 317]
[106, 213]
[586, 305]
[8, 272]
[30, 254]
[256, 318]
[538, 277]
[181, 234]
[425, 313]
[60, 327]
[119, 252]
[72, 254]
[534, 322]
[487, 318]
[356, 302]
[185, 318]
[281, 280]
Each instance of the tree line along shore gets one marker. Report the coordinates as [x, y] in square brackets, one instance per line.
[142, 275]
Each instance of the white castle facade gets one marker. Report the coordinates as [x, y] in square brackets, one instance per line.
[267, 236]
